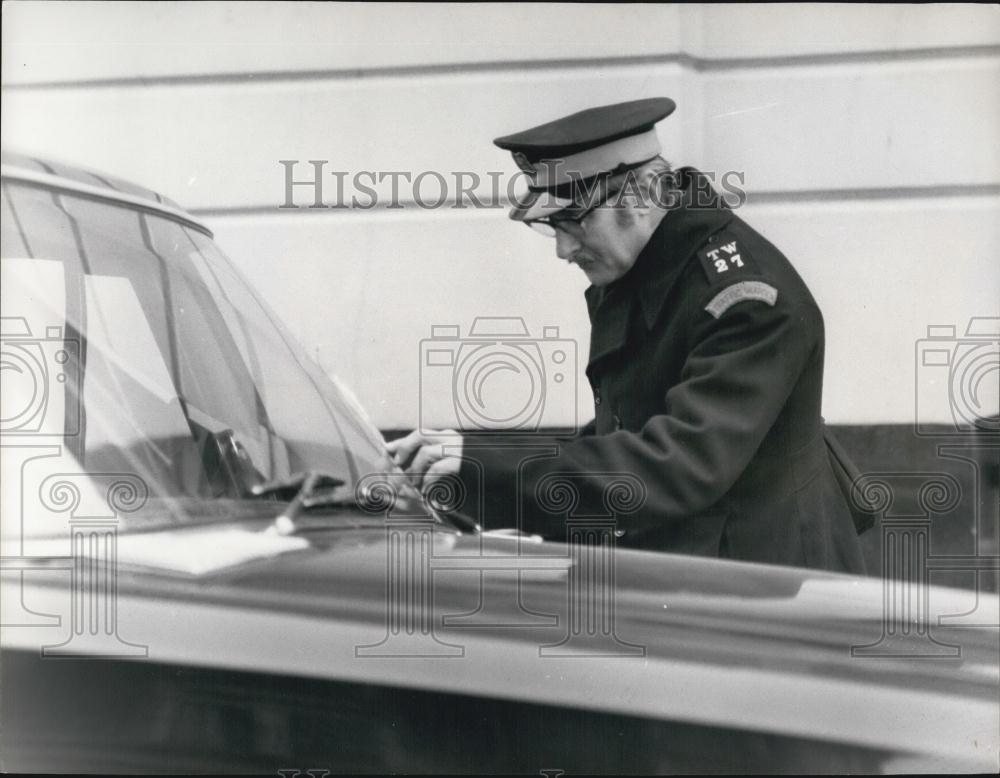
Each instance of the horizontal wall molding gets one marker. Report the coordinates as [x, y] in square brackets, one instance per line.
[788, 130]
[874, 193]
[411, 207]
[881, 272]
[688, 61]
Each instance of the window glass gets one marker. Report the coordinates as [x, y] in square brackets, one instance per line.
[45, 230]
[41, 347]
[282, 358]
[36, 354]
[179, 373]
[11, 238]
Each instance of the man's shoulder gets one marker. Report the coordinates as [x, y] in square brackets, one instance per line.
[737, 264]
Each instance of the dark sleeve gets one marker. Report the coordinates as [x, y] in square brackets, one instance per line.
[739, 373]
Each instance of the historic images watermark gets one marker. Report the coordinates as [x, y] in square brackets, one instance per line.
[592, 538]
[313, 185]
[957, 391]
[41, 424]
[320, 772]
[456, 373]
[312, 772]
[94, 553]
[500, 378]
[960, 372]
[41, 380]
[580, 577]
[410, 629]
[92, 505]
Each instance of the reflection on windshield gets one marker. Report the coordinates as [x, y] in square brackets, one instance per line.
[175, 370]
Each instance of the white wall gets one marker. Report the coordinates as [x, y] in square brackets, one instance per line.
[868, 136]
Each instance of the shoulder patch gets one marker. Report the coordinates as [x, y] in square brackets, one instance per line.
[723, 258]
[737, 293]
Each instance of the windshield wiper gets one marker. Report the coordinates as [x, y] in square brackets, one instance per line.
[312, 489]
[303, 489]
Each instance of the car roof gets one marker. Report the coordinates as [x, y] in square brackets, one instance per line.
[90, 183]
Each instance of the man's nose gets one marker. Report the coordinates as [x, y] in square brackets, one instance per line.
[566, 244]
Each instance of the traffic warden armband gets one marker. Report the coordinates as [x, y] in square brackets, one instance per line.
[730, 268]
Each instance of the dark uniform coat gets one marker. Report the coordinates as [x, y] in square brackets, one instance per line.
[706, 363]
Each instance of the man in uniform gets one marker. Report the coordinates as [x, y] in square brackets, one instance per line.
[706, 361]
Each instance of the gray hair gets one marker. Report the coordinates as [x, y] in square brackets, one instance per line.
[654, 183]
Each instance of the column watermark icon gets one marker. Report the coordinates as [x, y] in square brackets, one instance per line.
[906, 549]
[592, 539]
[957, 407]
[409, 589]
[93, 526]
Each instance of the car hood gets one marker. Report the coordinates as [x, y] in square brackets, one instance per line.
[527, 591]
[642, 633]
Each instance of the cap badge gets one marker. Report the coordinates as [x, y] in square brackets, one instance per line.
[522, 162]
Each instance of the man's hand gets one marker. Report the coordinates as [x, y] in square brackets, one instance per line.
[434, 454]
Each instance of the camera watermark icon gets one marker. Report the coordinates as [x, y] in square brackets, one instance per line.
[498, 377]
[958, 378]
[40, 380]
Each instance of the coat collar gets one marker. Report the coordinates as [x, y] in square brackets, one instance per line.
[658, 266]
[609, 309]
[682, 231]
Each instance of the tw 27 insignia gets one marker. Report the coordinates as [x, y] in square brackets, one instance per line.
[723, 257]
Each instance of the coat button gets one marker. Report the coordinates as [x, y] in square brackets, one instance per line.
[597, 397]
[618, 422]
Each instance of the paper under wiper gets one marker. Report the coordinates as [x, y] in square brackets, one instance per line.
[191, 551]
[198, 551]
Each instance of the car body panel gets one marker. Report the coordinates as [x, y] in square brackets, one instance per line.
[395, 600]
[715, 637]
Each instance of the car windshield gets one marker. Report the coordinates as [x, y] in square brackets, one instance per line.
[133, 343]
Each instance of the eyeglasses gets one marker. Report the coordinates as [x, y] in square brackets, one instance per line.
[569, 219]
